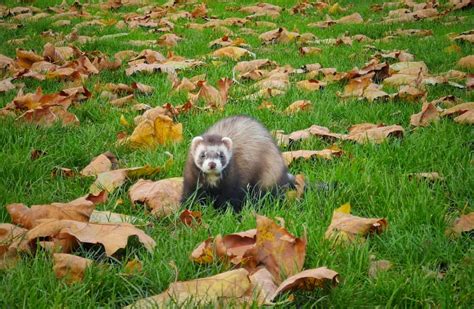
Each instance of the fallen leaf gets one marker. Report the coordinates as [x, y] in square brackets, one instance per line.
[111, 217]
[280, 252]
[204, 253]
[463, 224]
[133, 267]
[263, 286]
[102, 163]
[308, 280]
[64, 235]
[230, 285]
[429, 113]
[111, 180]
[367, 132]
[300, 186]
[280, 35]
[232, 52]
[345, 227]
[190, 218]
[6, 85]
[309, 50]
[466, 62]
[411, 94]
[310, 85]
[328, 154]
[162, 197]
[79, 209]
[465, 118]
[154, 130]
[378, 266]
[8, 234]
[69, 267]
[169, 40]
[300, 105]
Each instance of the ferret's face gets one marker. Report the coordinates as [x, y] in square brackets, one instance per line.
[211, 158]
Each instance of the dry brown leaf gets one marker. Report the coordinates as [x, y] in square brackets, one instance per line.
[227, 286]
[48, 115]
[297, 106]
[465, 118]
[26, 58]
[411, 94]
[102, 163]
[110, 180]
[378, 266]
[6, 85]
[215, 98]
[299, 190]
[204, 253]
[367, 132]
[244, 67]
[111, 217]
[130, 99]
[154, 130]
[69, 267]
[9, 233]
[79, 209]
[428, 114]
[373, 93]
[64, 235]
[328, 154]
[308, 280]
[190, 218]
[458, 109]
[466, 62]
[133, 267]
[169, 40]
[226, 41]
[142, 88]
[310, 85]
[232, 52]
[356, 86]
[162, 197]
[309, 50]
[463, 224]
[280, 35]
[280, 252]
[199, 11]
[345, 227]
[263, 286]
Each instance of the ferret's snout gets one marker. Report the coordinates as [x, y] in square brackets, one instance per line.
[212, 165]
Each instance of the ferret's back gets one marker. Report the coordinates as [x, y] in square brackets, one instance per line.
[254, 149]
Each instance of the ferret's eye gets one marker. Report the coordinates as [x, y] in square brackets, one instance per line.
[221, 155]
[202, 155]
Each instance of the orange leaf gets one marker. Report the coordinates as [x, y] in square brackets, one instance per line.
[70, 267]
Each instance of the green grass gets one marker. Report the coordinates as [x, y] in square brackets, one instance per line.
[373, 178]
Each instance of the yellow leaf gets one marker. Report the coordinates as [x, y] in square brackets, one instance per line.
[123, 121]
[345, 209]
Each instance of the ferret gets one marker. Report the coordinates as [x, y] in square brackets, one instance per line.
[234, 157]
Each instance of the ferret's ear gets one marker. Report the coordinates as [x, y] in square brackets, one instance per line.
[227, 142]
[196, 141]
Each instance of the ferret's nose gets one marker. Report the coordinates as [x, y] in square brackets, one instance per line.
[212, 165]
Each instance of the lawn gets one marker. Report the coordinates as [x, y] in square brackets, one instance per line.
[428, 267]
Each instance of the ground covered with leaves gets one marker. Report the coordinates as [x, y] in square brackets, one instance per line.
[370, 101]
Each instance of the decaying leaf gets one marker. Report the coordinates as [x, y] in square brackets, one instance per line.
[464, 113]
[308, 280]
[345, 227]
[111, 180]
[428, 114]
[310, 85]
[466, 62]
[98, 216]
[328, 154]
[102, 163]
[162, 197]
[263, 286]
[463, 224]
[227, 286]
[64, 235]
[232, 52]
[280, 252]
[79, 209]
[69, 267]
[280, 35]
[300, 105]
[367, 132]
[189, 217]
[154, 129]
[9, 233]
